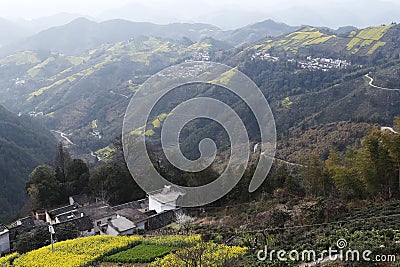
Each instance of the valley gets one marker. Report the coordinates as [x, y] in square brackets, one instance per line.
[335, 101]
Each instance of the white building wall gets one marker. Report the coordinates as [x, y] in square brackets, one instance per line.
[154, 205]
[160, 207]
[5, 243]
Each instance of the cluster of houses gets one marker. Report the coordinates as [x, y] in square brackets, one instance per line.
[99, 218]
[323, 64]
[309, 63]
[264, 56]
[201, 56]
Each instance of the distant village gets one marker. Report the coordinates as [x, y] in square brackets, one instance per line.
[158, 210]
[309, 63]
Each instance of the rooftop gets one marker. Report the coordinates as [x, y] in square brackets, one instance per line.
[98, 210]
[122, 224]
[138, 204]
[132, 214]
[3, 229]
[82, 223]
[167, 194]
[62, 210]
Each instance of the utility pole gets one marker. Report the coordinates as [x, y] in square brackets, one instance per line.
[52, 232]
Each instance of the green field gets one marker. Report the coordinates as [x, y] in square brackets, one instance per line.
[140, 254]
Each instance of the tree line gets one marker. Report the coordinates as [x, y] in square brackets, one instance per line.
[50, 186]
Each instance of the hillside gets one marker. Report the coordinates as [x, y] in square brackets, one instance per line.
[68, 38]
[313, 79]
[85, 96]
[23, 145]
[255, 32]
[11, 32]
[356, 44]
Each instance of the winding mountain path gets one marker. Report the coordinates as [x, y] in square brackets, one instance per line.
[371, 80]
[63, 136]
[114, 93]
[282, 160]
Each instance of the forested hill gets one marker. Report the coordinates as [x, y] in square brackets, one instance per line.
[23, 145]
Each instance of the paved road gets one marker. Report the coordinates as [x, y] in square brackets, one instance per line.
[371, 80]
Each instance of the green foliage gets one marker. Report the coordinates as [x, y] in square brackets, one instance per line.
[6, 261]
[51, 186]
[286, 103]
[29, 241]
[43, 187]
[24, 144]
[140, 254]
[65, 232]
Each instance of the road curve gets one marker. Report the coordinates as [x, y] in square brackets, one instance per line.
[371, 80]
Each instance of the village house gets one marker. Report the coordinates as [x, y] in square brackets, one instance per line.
[4, 240]
[61, 214]
[118, 226]
[99, 218]
[83, 224]
[100, 213]
[165, 198]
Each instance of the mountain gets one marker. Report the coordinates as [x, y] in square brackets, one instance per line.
[255, 32]
[308, 75]
[24, 144]
[11, 32]
[313, 79]
[82, 35]
[334, 14]
[317, 41]
[88, 94]
[43, 23]
[237, 14]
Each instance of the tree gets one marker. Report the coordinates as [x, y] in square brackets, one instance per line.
[43, 188]
[345, 177]
[61, 163]
[77, 177]
[392, 143]
[113, 183]
[37, 238]
[184, 221]
[315, 177]
[376, 166]
[66, 231]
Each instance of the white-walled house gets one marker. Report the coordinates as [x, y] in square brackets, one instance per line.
[120, 226]
[164, 199]
[4, 240]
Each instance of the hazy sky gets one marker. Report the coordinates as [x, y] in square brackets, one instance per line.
[331, 13]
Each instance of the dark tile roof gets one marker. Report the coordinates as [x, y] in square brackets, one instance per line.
[97, 210]
[150, 212]
[82, 223]
[66, 217]
[62, 210]
[133, 215]
[138, 204]
[27, 222]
